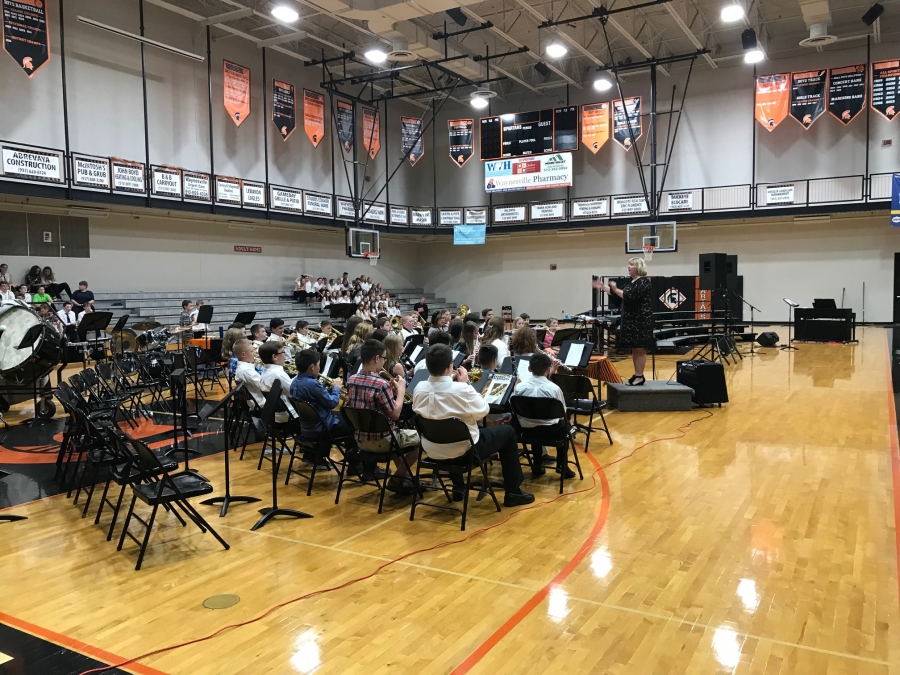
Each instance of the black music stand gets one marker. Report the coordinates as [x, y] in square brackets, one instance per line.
[208, 411]
[119, 328]
[178, 386]
[791, 307]
[341, 312]
[245, 318]
[564, 334]
[28, 341]
[204, 316]
[585, 353]
[9, 518]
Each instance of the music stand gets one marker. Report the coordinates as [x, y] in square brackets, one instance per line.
[208, 411]
[9, 518]
[585, 357]
[791, 307]
[417, 379]
[204, 316]
[245, 318]
[564, 334]
[178, 386]
[28, 341]
[119, 328]
[342, 311]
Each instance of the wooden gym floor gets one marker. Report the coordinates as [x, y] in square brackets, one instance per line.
[761, 539]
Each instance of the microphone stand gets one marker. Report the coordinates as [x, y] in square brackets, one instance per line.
[752, 322]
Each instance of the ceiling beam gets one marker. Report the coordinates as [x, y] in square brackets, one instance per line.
[572, 42]
[689, 33]
[281, 39]
[226, 17]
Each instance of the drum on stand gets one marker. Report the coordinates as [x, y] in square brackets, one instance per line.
[126, 341]
[24, 372]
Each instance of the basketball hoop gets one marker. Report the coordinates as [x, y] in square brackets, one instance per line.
[372, 256]
[648, 251]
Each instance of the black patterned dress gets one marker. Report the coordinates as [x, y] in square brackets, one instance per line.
[637, 315]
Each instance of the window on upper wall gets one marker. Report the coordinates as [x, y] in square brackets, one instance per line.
[45, 236]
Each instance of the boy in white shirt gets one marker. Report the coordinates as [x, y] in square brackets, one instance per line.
[246, 372]
[273, 356]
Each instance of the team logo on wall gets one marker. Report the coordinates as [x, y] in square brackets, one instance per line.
[772, 99]
[595, 125]
[411, 141]
[25, 33]
[847, 92]
[885, 80]
[672, 298]
[371, 132]
[462, 137]
[627, 121]
[283, 108]
[314, 116]
[236, 91]
[808, 96]
[345, 124]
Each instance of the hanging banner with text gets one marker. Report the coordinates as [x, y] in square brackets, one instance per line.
[529, 173]
[284, 108]
[595, 125]
[469, 235]
[808, 96]
[25, 33]
[345, 124]
[236, 91]
[895, 200]
[462, 140]
[314, 116]
[627, 121]
[412, 142]
[847, 92]
[772, 99]
[371, 131]
[886, 88]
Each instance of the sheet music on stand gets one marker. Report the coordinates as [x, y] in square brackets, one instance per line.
[497, 389]
[573, 357]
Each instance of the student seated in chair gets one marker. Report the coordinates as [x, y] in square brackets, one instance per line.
[367, 390]
[273, 355]
[487, 359]
[447, 394]
[307, 388]
[435, 337]
[540, 387]
[247, 373]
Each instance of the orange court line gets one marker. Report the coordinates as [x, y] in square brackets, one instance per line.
[494, 639]
[75, 645]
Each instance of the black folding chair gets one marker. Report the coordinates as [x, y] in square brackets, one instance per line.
[372, 422]
[540, 408]
[315, 447]
[156, 487]
[452, 430]
[582, 401]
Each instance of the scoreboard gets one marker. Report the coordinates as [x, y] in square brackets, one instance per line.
[529, 133]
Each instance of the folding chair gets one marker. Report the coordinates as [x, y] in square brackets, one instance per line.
[582, 401]
[317, 447]
[559, 435]
[452, 430]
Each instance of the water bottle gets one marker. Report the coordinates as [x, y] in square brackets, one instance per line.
[221, 332]
[565, 315]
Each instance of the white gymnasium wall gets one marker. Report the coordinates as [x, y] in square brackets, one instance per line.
[153, 254]
[777, 259]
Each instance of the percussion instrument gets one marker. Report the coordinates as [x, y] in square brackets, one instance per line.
[127, 341]
[17, 365]
[147, 325]
[155, 338]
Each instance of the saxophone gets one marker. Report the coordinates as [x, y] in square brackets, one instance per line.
[407, 397]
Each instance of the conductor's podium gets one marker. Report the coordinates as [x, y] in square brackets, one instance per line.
[652, 396]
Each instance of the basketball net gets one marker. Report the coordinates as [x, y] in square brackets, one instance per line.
[648, 252]
[372, 256]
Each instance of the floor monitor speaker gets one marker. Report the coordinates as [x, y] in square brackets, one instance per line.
[768, 339]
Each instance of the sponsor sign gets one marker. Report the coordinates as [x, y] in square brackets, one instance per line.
[286, 199]
[591, 207]
[374, 212]
[253, 195]
[228, 190]
[399, 215]
[629, 205]
[510, 214]
[476, 216]
[449, 217]
[345, 209]
[528, 173]
[128, 177]
[541, 211]
[90, 172]
[45, 166]
[780, 194]
[680, 201]
[165, 181]
[196, 186]
[421, 217]
[316, 204]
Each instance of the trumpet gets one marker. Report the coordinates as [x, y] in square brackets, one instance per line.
[407, 397]
[329, 382]
[474, 374]
[463, 309]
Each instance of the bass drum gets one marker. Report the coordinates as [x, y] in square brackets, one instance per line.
[16, 365]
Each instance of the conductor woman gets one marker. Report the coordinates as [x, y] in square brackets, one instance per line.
[637, 316]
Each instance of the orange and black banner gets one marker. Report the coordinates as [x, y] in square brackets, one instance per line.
[411, 141]
[236, 91]
[847, 92]
[627, 121]
[371, 131]
[595, 125]
[25, 33]
[772, 99]
[346, 124]
[808, 96]
[314, 116]
[886, 88]
[462, 140]
[284, 108]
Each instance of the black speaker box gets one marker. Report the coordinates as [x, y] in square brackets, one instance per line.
[712, 270]
[767, 339]
[706, 378]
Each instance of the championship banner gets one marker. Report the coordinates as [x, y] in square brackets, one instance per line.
[626, 120]
[25, 33]
[772, 99]
[847, 92]
[895, 200]
[284, 107]
[595, 125]
[236, 91]
[371, 131]
[345, 124]
[411, 142]
[885, 84]
[462, 140]
[314, 116]
[808, 96]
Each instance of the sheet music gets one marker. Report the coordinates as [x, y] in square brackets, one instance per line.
[329, 361]
[496, 387]
[573, 357]
[415, 354]
[522, 369]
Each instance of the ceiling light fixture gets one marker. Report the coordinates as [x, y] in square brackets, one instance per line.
[602, 83]
[555, 50]
[752, 52]
[732, 13]
[479, 102]
[285, 13]
[376, 55]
